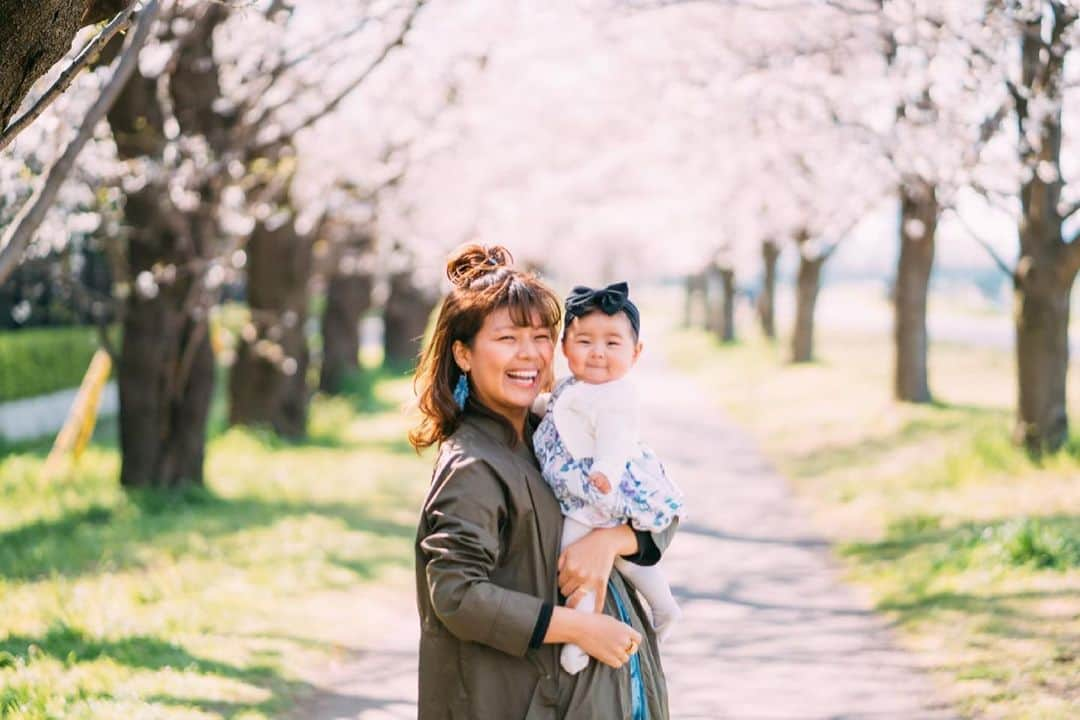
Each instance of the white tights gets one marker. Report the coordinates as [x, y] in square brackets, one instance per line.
[649, 581]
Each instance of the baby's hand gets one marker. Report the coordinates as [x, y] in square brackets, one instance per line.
[600, 482]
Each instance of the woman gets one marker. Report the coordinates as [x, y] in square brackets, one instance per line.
[488, 569]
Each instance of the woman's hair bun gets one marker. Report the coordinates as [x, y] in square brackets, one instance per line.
[472, 261]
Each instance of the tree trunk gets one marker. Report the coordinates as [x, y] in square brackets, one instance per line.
[1047, 266]
[405, 319]
[1042, 354]
[807, 285]
[166, 369]
[766, 305]
[727, 315]
[918, 226]
[695, 297]
[35, 35]
[267, 383]
[712, 299]
[348, 297]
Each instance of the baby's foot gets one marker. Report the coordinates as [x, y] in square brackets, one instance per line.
[573, 659]
[664, 622]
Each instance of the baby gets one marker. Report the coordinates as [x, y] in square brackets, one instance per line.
[588, 446]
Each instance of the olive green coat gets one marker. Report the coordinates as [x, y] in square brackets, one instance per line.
[487, 549]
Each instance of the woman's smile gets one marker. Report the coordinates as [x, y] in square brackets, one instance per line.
[524, 378]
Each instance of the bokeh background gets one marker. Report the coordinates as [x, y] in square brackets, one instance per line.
[223, 232]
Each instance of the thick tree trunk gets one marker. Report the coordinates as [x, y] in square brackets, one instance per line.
[35, 35]
[267, 383]
[918, 226]
[695, 297]
[807, 284]
[727, 305]
[348, 297]
[713, 299]
[1042, 354]
[405, 319]
[766, 304]
[166, 370]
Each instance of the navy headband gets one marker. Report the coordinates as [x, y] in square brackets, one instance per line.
[610, 300]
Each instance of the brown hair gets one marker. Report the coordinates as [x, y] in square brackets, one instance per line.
[484, 281]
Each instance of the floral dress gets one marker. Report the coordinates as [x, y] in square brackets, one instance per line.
[644, 496]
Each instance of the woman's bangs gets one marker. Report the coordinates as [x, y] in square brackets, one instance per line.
[525, 301]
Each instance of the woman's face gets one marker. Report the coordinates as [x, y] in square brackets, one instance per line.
[507, 363]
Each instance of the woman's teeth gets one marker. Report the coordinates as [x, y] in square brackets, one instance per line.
[525, 378]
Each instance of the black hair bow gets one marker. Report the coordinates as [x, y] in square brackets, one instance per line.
[611, 299]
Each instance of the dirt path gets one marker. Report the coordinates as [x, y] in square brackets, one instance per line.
[769, 631]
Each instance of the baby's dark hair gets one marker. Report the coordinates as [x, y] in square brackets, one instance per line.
[615, 298]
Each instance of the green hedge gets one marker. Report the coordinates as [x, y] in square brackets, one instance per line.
[43, 360]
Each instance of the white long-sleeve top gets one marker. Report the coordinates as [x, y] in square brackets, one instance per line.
[602, 422]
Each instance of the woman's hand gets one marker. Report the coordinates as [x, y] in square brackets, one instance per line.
[586, 565]
[602, 637]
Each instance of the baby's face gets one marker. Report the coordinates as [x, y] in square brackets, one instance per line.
[600, 348]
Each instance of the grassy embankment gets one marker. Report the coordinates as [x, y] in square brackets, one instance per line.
[972, 549]
[203, 604]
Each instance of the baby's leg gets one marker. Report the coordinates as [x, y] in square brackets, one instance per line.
[651, 583]
[573, 658]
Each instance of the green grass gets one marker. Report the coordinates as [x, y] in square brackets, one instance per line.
[208, 603]
[971, 548]
[37, 361]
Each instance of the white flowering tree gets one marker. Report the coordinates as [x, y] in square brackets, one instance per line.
[1035, 44]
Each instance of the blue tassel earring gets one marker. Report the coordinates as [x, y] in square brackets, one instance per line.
[461, 391]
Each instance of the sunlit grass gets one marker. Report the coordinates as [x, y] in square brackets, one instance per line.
[969, 546]
[206, 603]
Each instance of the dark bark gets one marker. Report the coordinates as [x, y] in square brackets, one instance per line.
[696, 297]
[35, 35]
[1047, 267]
[727, 305]
[919, 212]
[807, 285]
[267, 383]
[1042, 353]
[405, 319]
[166, 362]
[162, 412]
[713, 299]
[348, 297]
[766, 304]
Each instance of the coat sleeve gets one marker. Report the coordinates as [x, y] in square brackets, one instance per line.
[462, 546]
[652, 545]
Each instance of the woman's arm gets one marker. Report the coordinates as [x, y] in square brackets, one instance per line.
[462, 547]
[652, 545]
[602, 637]
[586, 564]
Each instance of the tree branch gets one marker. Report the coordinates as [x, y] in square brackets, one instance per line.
[332, 104]
[1002, 265]
[30, 216]
[119, 23]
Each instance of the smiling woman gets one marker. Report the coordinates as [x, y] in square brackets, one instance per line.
[506, 363]
[488, 566]
[496, 330]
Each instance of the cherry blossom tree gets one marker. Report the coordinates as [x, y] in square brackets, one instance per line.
[1033, 43]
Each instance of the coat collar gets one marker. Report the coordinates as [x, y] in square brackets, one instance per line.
[497, 431]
